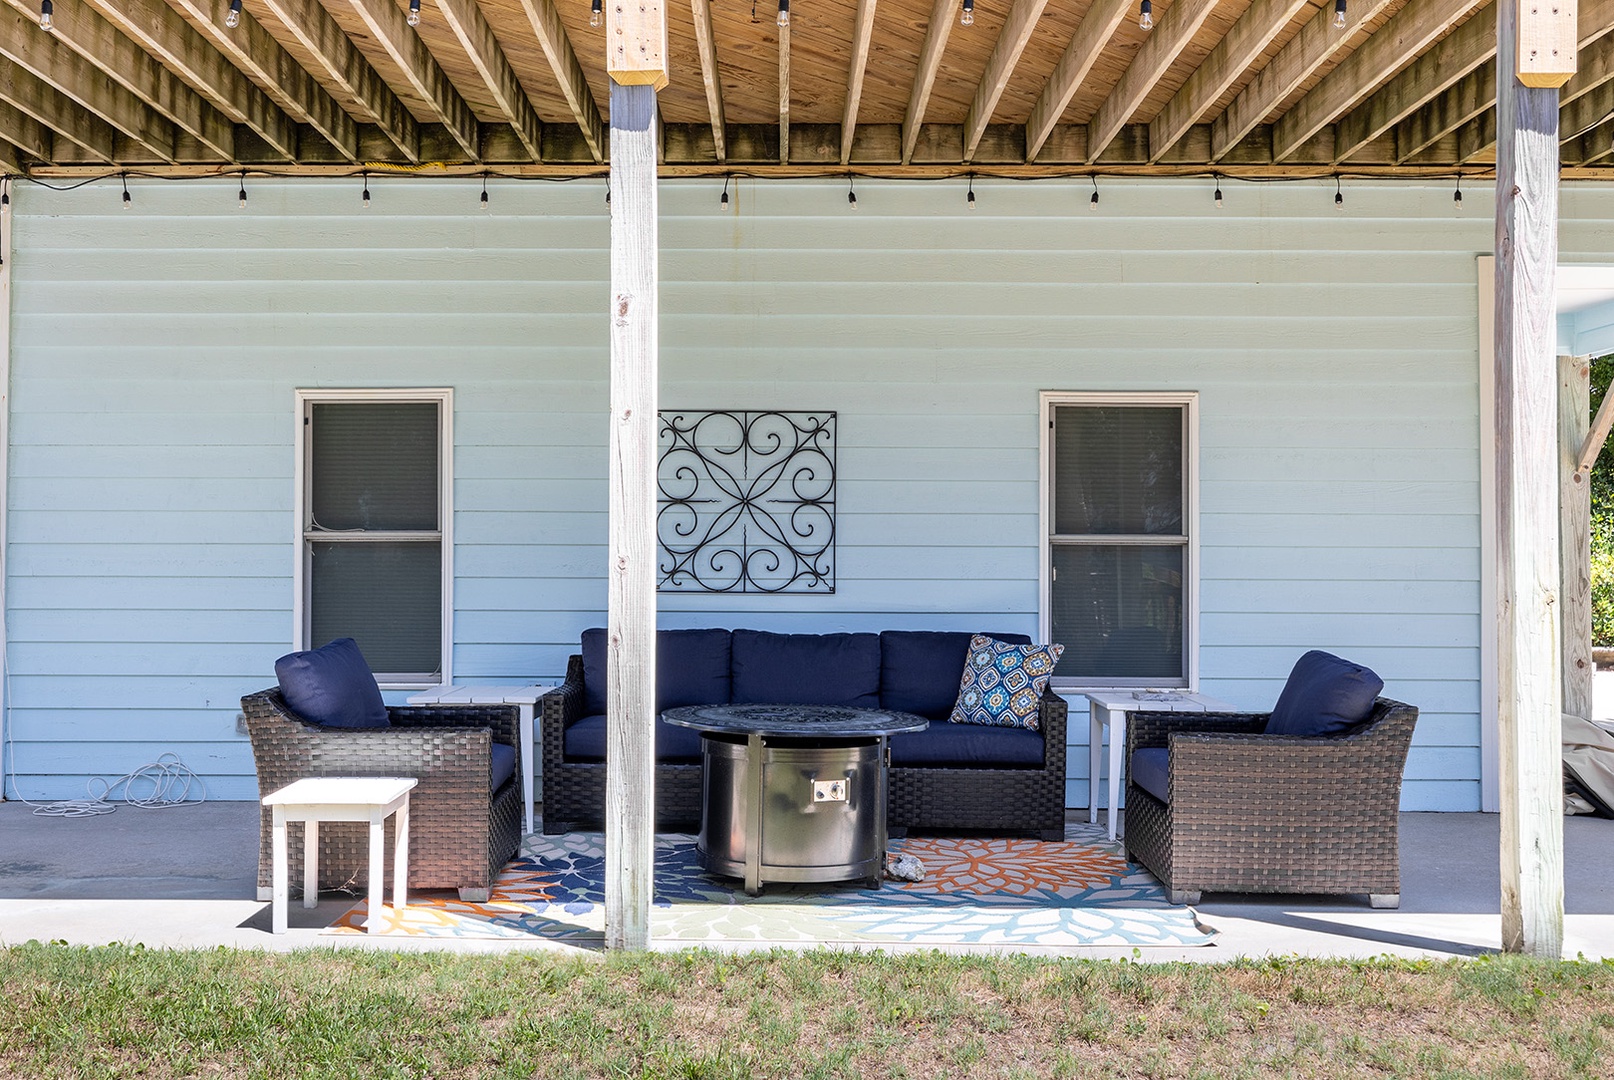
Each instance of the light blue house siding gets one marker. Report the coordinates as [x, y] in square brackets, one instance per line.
[155, 353]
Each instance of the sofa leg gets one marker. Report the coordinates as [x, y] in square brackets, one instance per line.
[1384, 899]
[1185, 897]
[475, 896]
[555, 828]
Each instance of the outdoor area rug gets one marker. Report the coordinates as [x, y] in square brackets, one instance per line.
[977, 891]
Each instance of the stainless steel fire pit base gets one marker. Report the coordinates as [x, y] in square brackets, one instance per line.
[792, 809]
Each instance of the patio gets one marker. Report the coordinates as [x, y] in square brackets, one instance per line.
[133, 877]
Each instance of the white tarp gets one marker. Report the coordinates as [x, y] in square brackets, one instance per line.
[1588, 767]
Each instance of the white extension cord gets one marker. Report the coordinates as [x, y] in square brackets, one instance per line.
[169, 778]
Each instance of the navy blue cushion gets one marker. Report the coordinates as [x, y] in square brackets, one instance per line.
[945, 746]
[332, 685]
[1325, 695]
[807, 669]
[585, 741]
[692, 668]
[1151, 771]
[503, 759]
[920, 669]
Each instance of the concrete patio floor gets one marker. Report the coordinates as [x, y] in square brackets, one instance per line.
[185, 877]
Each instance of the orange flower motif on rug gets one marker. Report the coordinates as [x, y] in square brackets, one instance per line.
[1015, 867]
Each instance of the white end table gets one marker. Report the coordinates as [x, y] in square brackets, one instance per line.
[1108, 709]
[525, 698]
[314, 799]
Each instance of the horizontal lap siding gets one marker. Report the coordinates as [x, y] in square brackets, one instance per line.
[156, 351]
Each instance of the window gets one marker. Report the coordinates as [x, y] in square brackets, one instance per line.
[1119, 524]
[374, 528]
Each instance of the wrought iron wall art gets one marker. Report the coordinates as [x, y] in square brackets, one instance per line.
[746, 501]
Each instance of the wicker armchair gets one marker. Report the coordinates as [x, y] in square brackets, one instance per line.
[460, 833]
[1258, 813]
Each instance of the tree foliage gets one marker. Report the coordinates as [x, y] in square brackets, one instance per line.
[1602, 482]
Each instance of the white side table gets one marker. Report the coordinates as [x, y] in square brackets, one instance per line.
[314, 799]
[1108, 709]
[525, 698]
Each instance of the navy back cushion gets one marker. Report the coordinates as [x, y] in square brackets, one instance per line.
[692, 668]
[920, 669]
[1325, 695]
[332, 685]
[808, 669]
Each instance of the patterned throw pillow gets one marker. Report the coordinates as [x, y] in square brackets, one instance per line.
[1003, 683]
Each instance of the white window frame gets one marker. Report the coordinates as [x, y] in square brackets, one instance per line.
[301, 614]
[1188, 401]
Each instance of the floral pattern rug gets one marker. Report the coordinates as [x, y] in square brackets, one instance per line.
[977, 892]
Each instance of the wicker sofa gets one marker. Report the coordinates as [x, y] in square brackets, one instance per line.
[462, 829]
[952, 776]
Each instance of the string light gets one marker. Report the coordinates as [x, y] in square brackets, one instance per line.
[47, 13]
[1218, 190]
[1339, 196]
[969, 198]
[723, 200]
[607, 192]
[1146, 15]
[967, 16]
[5, 193]
[851, 192]
[365, 195]
[1339, 14]
[241, 195]
[232, 18]
[414, 12]
[127, 202]
[784, 12]
[1092, 204]
[484, 191]
[595, 13]
[1457, 196]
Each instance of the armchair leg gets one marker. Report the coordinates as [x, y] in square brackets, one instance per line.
[1051, 834]
[1384, 899]
[475, 896]
[1182, 896]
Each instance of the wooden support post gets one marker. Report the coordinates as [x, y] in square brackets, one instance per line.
[1529, 676]
[1575, 526]
[5, 467]
[635, 51]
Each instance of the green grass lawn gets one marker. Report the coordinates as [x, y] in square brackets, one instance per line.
[117, 1011]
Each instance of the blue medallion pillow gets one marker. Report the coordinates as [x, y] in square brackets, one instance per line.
[332, 686]
[1003, 682]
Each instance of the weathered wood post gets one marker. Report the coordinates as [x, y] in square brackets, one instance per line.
[636, 50]
[1575, 529]
[1534, 42]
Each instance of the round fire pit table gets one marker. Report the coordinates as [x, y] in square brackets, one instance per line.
[793, 793]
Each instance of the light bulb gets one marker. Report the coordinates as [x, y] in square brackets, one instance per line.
[127, 202]
[232, 18]
[723, 200]
[1146, 15]
[1339, 200]
[1218, 195]
[967, 16]
[851, 197]
[1339, 14]
[365, 195]
[784, 12]
[594, 13]
[414, 12]
[47, 15]
[1457, 197]
[1092, 204]
[241, 196]
[484, 198]
[969, 198]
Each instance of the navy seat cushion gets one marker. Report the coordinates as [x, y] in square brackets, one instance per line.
[692, 668]
[585, 741]
[1151, 771]
[807, 669]
[943, 746]
[503, 760]
[1325, 695]
[332, 686]
[920, 669]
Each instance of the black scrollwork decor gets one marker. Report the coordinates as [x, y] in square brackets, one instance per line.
[746, 501]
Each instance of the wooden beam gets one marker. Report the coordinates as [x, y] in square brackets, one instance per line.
[1452, 57]
[465, 18]
[784, 94]
[67, 72]
[11, 163]
[115, 56]
[321, 36]
[1095, 31]
[24, 132]
[65, 118]
[161, 31]
[1162, 47]
[1011, 43]
[1307, 52]
[930, 58]
[857, 65]
[1245, 42]
[706, 45]
[1529, 670]
[1414, 28]
[1592, 446]
[551, 34]
[250, 49]
[1546, 44]
[1575, 530]
[630, 697]
[391, 30]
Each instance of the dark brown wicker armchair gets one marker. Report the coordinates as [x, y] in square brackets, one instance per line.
[460, 833]
[1255, 813]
